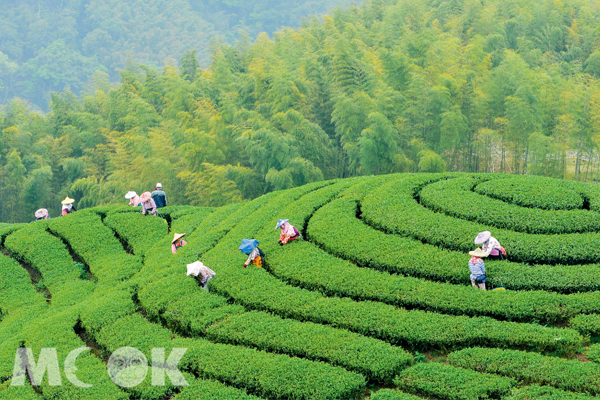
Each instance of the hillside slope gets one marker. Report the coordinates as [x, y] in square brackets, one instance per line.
[378, 283]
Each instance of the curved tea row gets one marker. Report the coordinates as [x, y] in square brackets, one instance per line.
[372, 282]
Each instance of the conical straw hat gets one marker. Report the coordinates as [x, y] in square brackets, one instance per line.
[177, 236]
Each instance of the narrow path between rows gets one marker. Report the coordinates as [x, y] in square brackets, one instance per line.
[37, 280]
[86, 273]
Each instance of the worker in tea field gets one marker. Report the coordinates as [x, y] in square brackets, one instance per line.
[177, 242]
[288, 231]
[255, 255]
[197, 269]
[134, 199]
[477, 268]
[490, 246]
[159, 196]
[148, 205]
[42, 213]
[67, 206]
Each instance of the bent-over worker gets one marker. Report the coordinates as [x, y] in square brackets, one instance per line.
[134, 199]
[255, 255]
[477, 268]
[198, 270]
[177, 242]
[148, 204]
[490, 246]
[67, 206]
[288, 231]
[42, 213]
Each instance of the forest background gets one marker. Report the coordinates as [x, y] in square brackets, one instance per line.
[385, 86]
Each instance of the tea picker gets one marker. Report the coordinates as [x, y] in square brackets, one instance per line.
[159, 196]
[255, 255]
[134, 199]
[477, 268]
[148, 205]
[177, 242]
[490, 246]
[288, 231]
[197, 269]
[42, 213]
[67, 206]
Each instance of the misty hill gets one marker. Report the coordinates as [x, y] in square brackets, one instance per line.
[50, 45]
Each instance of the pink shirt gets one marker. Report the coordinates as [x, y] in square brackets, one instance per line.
[149, 206]
[135, 201]
[287, 229]
[492, 246]
[174, 247]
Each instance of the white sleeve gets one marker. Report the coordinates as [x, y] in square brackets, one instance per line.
[494, 243]
[252, 256]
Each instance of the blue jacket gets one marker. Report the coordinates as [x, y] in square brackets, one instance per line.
[160, 198]
[477, 269]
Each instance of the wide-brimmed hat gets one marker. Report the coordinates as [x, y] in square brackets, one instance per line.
[41, 213]
[482, 237]
[281, 222]
[130, 195]
[145, 197]
[177, 236]
[478, 253]
[67, 200]
[194, 268]
[248, 245]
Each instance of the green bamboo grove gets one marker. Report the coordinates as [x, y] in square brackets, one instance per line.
[386, 86]
[376, 293]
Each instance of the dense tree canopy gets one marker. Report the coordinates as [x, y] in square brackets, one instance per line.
[51, 45]
[388, 86]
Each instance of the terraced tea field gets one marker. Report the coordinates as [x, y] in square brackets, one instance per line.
[378, 285]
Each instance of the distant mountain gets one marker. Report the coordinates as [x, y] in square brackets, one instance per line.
[51, 45]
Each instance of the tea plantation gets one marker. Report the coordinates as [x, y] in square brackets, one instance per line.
[374, 302]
